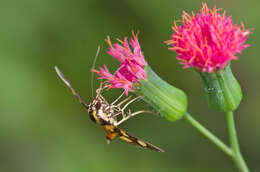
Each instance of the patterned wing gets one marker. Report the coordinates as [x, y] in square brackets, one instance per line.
[113, 131]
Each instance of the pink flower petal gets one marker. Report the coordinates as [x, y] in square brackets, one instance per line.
[132, 64]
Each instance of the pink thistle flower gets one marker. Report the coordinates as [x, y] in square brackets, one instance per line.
[207, 40]
[131, 69]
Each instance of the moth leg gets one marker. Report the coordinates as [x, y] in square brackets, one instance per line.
[123, 101]
[117, 98]
[115, 114]
[131, 101]
[121, 110]
[131, 115]
[103, 99]
[100, 89]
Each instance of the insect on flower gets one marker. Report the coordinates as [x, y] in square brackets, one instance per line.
[135, 75]
[106, 114]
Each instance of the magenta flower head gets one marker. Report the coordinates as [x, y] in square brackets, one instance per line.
[131, 69]
[135, 75]
[207, 40]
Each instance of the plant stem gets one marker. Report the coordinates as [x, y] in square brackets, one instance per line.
[238, 158]
[209, 135]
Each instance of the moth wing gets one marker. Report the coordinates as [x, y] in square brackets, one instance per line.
[123, 135]
[113, 131]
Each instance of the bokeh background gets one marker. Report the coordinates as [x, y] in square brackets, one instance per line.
[43, 128]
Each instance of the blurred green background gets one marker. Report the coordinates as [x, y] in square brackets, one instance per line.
[43, 128]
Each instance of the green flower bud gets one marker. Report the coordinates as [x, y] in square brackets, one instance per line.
[222, 91]
[169, 101]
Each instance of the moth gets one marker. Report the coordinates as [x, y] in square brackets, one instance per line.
[106, 115]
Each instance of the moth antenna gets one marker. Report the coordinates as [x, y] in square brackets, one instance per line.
[92, 74]
[74, 92]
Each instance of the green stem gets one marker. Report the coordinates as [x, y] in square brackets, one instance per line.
[238, 158]
[209, 135]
